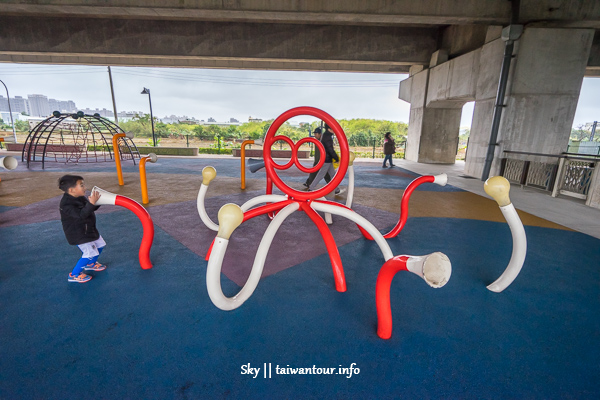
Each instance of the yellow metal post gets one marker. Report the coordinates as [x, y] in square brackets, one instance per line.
[243, 157]
[117, 154]
[143, 182]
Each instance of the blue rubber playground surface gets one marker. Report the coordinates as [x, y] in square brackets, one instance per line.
[154, 334]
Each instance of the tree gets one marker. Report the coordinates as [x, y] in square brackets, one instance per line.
[21, 126]
[580, 133]
[198, 131]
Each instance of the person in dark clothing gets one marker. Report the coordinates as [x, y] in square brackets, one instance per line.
[311, 177]
[389, 148]
[330, 155]
[79, 224]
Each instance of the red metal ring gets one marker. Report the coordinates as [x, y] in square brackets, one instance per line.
[301, 167]
[288, 141]
[344, 153]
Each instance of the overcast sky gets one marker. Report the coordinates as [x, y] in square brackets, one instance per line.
[222, 94]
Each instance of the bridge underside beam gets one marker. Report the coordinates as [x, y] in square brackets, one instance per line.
[215, 44]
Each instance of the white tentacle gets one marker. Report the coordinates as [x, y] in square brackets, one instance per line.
[363, 222]
[328, 219]
[350, 196]
[519, 250]
[202, 211]
[265, 198]
[213, 271]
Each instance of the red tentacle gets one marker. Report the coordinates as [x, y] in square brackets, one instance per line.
[382, 294]
[332, 250]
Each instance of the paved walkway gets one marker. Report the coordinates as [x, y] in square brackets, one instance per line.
[569, 212]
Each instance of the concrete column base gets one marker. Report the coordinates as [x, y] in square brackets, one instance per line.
[433, 135]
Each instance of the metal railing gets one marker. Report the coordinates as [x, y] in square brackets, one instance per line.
[571, 174]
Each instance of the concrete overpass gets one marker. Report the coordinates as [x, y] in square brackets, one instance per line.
[454, 50]
[353, 35]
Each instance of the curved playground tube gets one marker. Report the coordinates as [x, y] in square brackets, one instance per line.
[115, 142]
[208, 174]
[143, 181]
[108, 198]
[332, 249]
[266, 198]
[434, 268]
[230, 216]
[441, 180]
[498, 188]
[350, 196]
[360, 221]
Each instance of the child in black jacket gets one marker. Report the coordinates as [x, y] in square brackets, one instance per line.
[79, 223]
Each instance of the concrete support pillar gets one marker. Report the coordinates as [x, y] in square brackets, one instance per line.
[433, 135]
[542, 95]
[432, 130]
[490, 62]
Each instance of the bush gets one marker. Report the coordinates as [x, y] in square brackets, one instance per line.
[210, 150]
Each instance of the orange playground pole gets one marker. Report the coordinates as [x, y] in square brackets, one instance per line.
[243, 157]
[143, 182]
[115, 141]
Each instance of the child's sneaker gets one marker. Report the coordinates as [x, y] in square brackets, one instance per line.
[81, 278]
[95, 267]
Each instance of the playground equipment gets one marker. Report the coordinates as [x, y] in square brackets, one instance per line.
[436, 272]
[498, 187]
[257, 164]
[434, 268]
[75, 138]
[115, 142]
[8, 163]
[243, 159]
[108, 198]
[143, 181]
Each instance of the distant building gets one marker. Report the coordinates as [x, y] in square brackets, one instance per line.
[172, 119]
[67, 106]
[211, 119]
[222, 124]
[250, 119]
[233, 120]
[17, 104]
[125, 116]
[103, 113]
[20, 105]
[39, 105]
[5, 115]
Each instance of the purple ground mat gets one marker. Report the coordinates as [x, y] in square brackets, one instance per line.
[296, 241]
[45, 210]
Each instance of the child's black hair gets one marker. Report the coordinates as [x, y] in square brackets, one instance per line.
[68, 181]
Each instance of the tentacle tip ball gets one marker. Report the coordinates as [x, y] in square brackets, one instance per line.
[230, 217]
[153, 157]
[352, 158]
[498, 187]
[441, 179]
[208, 174]
[437, 270]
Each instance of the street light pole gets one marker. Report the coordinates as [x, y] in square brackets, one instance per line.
[10, 112]
[147, 91]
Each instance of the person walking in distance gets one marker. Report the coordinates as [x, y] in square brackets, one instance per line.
[389, 148]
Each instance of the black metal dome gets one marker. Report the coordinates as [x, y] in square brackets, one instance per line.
[75, 138]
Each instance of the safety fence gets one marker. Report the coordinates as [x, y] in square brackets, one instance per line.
[566, 174]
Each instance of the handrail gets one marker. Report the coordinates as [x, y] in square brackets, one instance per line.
[583, 157]
[534, 154]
